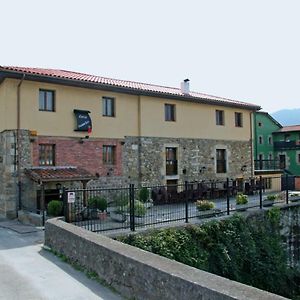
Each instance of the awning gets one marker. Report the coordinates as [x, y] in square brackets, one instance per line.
[54, 174]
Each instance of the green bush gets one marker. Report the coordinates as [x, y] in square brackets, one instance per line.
[271, 197]
[139, 208]
[237, 248]
[144, 194]
[241, 199]
[204, 205]
[98, 203]
[55, 208]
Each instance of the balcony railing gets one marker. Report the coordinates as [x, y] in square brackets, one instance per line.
[287, 145]
[171, 167]
[267, 164]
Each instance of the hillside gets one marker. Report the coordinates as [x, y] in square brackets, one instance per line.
[287, 116]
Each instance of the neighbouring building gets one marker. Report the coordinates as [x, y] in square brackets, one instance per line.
[66, 128]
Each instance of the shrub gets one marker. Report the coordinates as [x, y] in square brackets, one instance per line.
[139, 208]
[144, 194]
[55, 208]
[204, 205]
[271, 197]
[241, 199]
[98, 203]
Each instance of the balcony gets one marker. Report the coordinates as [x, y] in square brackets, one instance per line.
[171, 167]
[267, 165]
[284, 145]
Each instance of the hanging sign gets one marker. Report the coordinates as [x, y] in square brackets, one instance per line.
[71, 197]
[84, 122]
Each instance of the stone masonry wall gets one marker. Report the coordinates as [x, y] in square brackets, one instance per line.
[8, 171]
[139, 274]
[197, 157]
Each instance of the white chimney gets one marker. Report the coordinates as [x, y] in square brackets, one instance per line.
[185, 87]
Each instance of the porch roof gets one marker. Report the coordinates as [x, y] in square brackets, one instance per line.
[61, 173]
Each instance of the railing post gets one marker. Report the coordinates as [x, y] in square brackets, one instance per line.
[131, 207]
[65, 205]
[260, 192]
[228, 196]
[186, 186]
[287, 188]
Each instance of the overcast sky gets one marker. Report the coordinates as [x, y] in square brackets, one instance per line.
[244, 50]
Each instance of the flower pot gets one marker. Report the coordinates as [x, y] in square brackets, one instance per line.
[102, 215]
[118, 217]
[241, 207]
[267, 203]
[208, 213]
[148, 205]
[294, 199]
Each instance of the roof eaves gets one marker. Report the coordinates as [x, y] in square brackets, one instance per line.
[122, 89]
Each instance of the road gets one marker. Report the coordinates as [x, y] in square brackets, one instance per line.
[27, 271]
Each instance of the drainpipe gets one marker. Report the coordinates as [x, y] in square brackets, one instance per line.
[140, 142]
[18, 146]
[252, 115]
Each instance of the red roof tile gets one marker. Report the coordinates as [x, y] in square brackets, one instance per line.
[138, 86]
[289, 128]
[64, 173]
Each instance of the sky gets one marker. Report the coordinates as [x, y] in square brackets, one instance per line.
[244, 50]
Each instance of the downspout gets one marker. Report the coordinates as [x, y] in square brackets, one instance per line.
[19, 206]
[139, 143]
[251, 143]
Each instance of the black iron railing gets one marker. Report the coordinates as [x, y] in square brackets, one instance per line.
[286, 145]
[267, 164]
[131, 207]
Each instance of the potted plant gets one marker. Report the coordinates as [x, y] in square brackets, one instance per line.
[139, 212]
[294, 196]
[269, 200]
[55, 208]
[144, 197]
[206, 208]
[97, 207]
[241, 201]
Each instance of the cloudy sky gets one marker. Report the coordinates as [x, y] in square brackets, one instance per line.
[244, 50]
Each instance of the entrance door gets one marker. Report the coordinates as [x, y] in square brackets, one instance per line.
[282, 163]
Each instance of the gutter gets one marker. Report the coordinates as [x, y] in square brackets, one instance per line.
[18, 146]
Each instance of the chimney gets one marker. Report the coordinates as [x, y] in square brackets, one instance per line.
[185, 87]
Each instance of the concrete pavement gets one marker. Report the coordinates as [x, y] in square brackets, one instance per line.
[27, 271]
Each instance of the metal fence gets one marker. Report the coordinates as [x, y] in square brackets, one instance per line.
[130, 207]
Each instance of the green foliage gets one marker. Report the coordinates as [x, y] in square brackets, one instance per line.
[55, 208]
[143, 194]
[204, 205]
[139, 208]
[241, 199]
[271, 197]
[244, 250]
[98, 203]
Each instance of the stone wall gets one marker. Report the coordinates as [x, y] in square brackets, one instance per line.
[145, 158]
[8, 171]
[290, 223]
[139, 274]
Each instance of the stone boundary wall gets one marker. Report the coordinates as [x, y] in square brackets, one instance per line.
[139, 274]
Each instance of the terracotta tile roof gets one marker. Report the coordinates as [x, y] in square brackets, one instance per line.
[64, 173]
[289, 128]
[132, 85]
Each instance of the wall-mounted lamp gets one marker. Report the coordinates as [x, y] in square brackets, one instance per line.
[58, 186]
[243, 168]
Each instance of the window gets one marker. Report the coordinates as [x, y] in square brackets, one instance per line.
[46, 100]
[270, 140]
[171, 161]
[109, 154]
[270, 156]
[46, 155]
[108, 107]
[298, 158]
[260, 139]
[219, 117]
[238, 119]
[169, 112]
[221, 161]
[259, 124]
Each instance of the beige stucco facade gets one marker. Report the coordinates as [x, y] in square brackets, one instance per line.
[135, 115]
